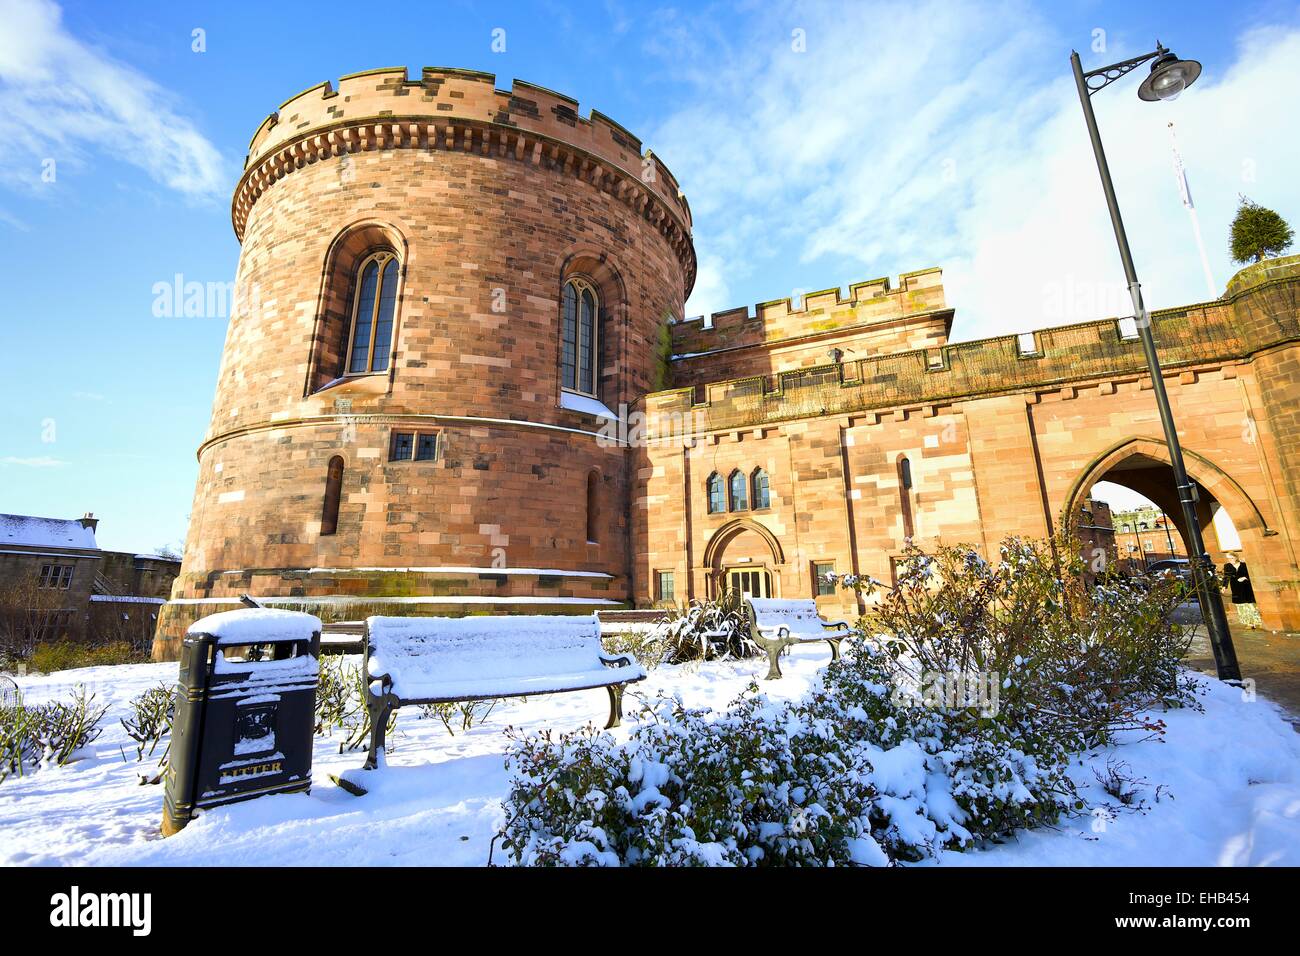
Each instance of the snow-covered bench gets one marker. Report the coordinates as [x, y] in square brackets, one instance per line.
[434, 660]
[775, 625]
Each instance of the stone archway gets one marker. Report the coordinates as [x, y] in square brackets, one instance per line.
[1142, 465]
[742, 544]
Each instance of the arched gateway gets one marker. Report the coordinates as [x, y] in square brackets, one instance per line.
[1143, 465]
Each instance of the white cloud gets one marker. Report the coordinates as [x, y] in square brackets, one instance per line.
[43, 461]
[912, 135]
[60, 99]
[9, 219]
[710, 283]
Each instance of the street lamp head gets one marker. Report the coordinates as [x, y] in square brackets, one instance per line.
[1169, 77]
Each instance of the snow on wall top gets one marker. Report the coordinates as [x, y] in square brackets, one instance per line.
[253, 625]
[46, 532]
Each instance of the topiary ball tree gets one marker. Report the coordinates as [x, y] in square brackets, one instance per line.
[1258, 232]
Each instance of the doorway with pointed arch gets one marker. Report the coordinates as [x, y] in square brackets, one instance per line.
[744, 557]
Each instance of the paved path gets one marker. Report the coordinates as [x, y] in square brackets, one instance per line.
[1271, 658]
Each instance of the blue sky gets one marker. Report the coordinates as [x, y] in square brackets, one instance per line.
[818, 145]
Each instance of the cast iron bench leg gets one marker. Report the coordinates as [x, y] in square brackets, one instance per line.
[773, 649]
[834, 642]
[378, 709]
[615, 705]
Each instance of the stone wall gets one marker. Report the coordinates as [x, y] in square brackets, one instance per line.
[1000, 441]
[874, 319]
[20, 570]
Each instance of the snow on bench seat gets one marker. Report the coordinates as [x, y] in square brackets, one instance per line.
[419, 660]
[455, 658]
[799, 618]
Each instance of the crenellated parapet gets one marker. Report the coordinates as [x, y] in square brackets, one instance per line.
[918, 294]
[1257, 314]
[462, 110]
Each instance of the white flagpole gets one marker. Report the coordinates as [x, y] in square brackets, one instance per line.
[1185, 192]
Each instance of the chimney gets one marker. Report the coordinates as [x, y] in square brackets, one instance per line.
[88, 520]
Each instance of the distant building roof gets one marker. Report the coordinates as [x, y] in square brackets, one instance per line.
[46, 532]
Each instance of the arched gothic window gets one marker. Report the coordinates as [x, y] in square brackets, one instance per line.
[329, 519]
[739, 495]
[762, 495]
[579, 336]
[370, 339]
[717, 497]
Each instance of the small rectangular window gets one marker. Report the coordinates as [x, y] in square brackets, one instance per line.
[664, 586]
[402, 447]
[426, 447]
[822, 586]
[56, 576]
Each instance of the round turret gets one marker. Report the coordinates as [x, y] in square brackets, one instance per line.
[446, 292]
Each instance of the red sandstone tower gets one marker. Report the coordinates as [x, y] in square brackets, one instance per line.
[445, 290]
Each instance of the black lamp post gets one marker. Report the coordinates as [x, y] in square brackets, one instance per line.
[1169, 76]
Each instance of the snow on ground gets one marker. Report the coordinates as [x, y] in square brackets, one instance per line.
[1232, 779]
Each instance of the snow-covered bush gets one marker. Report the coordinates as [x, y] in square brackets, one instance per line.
[1001, 773]
[341, 703]
[845, 776]
[762, 784]
[17, 745]
[337, 691]
[891, 758]
[152, 713]
[1069, 662]
[47, 734]
[707, 630]
[648, 646]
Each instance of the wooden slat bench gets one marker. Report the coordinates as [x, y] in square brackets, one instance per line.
[775, 625]
[435, 660]
[343, 637]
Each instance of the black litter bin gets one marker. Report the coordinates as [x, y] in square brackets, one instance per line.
[245, 711]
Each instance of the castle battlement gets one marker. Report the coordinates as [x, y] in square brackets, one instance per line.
[1250, 318]
[403, 111]
[918, 294]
